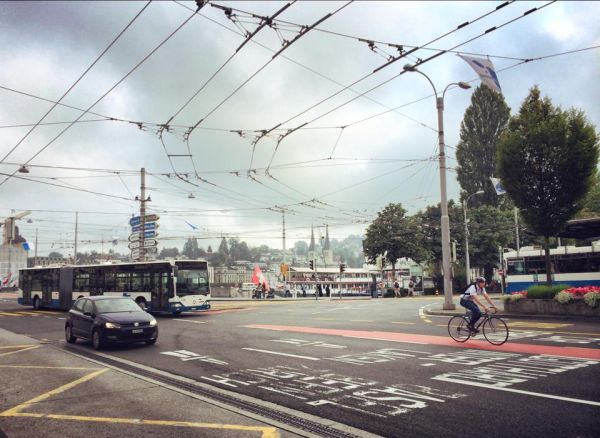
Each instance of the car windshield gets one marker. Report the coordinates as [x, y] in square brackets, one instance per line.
[117, 305]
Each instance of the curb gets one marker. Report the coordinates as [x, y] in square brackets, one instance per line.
[502, 314]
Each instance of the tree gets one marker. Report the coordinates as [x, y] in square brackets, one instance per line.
[489, 229]
[190, 249]
[484, 121]
[547, 159]
[55, 255]
[591, 206]
[168, 253]
[223, 251]
[301, 248]
[393, 234]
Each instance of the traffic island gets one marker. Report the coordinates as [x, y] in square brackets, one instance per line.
[550, 307]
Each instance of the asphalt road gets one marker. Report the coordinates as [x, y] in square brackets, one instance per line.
[380, 366]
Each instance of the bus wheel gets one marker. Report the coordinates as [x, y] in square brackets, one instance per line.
[69, 335]
[36, 303]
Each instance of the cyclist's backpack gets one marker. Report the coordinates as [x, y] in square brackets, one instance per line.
[466, 289]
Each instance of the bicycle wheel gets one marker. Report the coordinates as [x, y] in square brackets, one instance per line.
[458, 329]
[495, 331]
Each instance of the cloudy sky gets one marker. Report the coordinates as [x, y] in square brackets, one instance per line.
[172, 94]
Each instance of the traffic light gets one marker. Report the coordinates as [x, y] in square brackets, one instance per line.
[342, 268]
[311, 264]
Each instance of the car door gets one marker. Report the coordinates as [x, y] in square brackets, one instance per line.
[87, 318]
[75, 317]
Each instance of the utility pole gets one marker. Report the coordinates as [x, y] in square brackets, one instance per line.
[35, 249]
[75, 249]
[143, 200]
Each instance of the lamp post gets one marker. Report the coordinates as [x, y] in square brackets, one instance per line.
[467, 264]
[445, 221]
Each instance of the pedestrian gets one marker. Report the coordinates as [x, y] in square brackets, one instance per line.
[397, 289]
[327, 291]
[303, 291]
[411, 287]
[264, 290]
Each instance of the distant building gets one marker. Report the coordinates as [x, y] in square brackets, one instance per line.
[12, 258]
[45, 261]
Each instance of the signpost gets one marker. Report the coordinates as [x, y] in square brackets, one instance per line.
[137, 220]
[147, 227]
[135, 236]
[142, 240]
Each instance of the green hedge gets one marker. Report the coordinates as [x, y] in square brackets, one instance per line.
[541, 292]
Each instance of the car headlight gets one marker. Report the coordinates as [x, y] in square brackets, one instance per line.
[153, 323]
[112, 325]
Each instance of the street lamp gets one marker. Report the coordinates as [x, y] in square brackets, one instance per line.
[467, 265]
[446, 271]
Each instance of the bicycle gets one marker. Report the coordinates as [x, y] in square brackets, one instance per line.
[494, 328]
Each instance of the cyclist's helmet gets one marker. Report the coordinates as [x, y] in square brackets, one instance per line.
[480, 279]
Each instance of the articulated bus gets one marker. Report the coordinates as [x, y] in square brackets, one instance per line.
[158, 286]
[572, 265]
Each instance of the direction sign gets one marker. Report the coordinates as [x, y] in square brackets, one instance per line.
[147, 226]
[135, 254]
[134, 245]
[150, 243]
[137, 220]
[134, 237]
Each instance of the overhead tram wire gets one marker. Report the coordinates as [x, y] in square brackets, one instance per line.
[265, 21]
[402, 55]
[419, 63]
[75, 83]
[200, 3]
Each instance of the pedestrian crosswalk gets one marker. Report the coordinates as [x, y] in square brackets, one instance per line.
[15, 313]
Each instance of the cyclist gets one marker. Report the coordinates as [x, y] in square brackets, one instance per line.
[469, 298]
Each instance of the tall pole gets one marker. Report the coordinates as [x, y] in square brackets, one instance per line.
[35, 248]
[446, 271]
[142, 251]
[517, 229]
[467, 264]
[284, 254]
[446, 268]
[75, 246]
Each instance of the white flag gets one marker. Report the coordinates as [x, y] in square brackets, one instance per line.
[498, 186]
[485, 69]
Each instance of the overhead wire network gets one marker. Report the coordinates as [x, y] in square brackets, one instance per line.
[341, 129]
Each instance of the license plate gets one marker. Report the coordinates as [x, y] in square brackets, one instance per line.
[137, 331]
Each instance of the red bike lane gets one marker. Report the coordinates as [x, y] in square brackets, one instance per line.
[508, 347]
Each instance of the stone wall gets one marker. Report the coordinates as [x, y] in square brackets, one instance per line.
[550, 307]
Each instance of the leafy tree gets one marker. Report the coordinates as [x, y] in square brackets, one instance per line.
[547, 159]
[238, 250]
[190, 249]
[393, 234]
[168, 253]
[301, 248]
[489, 229]
[484, 121]
[55, 254]
[591, 206]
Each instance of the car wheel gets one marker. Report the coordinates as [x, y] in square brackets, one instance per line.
[97, 342]
[36, 303]
[151, 341]
[69, 335]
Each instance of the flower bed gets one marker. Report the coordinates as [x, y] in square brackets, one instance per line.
[568, 301]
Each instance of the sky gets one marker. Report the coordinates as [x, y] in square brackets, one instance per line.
[233, 139]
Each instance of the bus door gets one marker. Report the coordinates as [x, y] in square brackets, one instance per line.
[25, 284]
[47, 282]
[65, 289]
[160, 291]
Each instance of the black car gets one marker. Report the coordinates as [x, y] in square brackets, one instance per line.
[104, 319]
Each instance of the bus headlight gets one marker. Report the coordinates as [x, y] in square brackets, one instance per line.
[153, 323]
[111, 325]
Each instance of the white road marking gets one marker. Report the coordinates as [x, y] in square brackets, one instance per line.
[427, 364]
[193, 322]
[281, 354]
[519, 391]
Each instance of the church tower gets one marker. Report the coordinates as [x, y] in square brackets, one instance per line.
[327, 252]
[311, 247]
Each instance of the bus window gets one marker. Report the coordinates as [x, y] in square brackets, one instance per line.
[81, 280]
[122, 282]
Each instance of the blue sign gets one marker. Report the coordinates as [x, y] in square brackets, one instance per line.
[147, 226]
[136, 220]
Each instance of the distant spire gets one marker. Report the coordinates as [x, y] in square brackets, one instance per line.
[326, 245]
[311, 247]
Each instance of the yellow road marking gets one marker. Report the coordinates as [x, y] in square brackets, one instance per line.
[266, 432]
[49, 368]
[18, 351]
[22, 312]
[11, 412]
[7, 314]
[17, 346]
[547, 325]
[361, 320]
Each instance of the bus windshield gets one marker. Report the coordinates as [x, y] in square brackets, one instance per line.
[192, 282]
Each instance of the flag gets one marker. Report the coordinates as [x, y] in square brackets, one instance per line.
[193, 227]
[27, 246]
[485, 69]
[115, 240]
[498, 186]
[258, 277]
